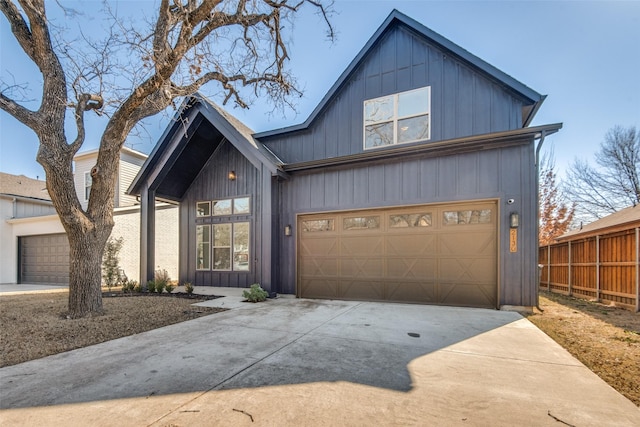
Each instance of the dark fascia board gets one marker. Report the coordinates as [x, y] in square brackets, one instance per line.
[192, 105]
[476, 142]
[397, 17]
[150, 164]
[252, 150]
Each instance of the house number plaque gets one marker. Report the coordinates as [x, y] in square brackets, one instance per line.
[513, 240]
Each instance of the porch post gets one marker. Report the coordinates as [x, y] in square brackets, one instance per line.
[147, 234]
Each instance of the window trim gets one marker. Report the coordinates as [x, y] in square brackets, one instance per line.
[395, 118]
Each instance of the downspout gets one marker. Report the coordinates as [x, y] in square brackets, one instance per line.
[543, 134]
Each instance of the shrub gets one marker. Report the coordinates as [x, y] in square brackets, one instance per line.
[137, 287]
[170, 287]
[160, 286]
[151, 286]
[110, 262]
[161, 277]
[188, 288]
[255, 293]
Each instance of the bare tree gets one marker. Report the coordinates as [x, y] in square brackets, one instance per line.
[615, 182]
[556, 213]
[129, 75]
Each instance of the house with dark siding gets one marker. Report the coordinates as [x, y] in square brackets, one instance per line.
[414, 180]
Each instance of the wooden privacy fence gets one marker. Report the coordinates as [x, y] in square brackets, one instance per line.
[603, 267]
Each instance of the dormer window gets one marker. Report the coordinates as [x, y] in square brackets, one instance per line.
[397, 119]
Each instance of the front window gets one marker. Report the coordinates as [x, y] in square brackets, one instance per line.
[223, 243]
[396, 119]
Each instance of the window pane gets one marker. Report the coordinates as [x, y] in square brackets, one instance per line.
[222, 235]
[203, 244]
[479, 216]
[413, 129]
[241, 205]
[222, 258]
[410, 220]
[222, 207]
[361, 223]
[241, 246]
[318, 225]
[378, 135]
[413, 102]
[203, 209]
[378, 110]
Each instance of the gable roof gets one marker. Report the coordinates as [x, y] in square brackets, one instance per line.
[396, 18]
[22, 186]
[622, 220]
[198, 128]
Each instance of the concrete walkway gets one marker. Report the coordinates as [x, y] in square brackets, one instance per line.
[319, 363]
[18, 289]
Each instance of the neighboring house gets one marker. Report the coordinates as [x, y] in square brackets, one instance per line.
[34, 246]
[599, 261]
[413, 180]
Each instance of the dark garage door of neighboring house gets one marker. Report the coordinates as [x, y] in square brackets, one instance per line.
[433, 254]
[44, 259]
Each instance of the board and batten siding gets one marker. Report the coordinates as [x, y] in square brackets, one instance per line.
[463, 102]
[497, 174]
[211, 184]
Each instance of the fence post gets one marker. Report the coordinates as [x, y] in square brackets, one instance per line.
[549, 267]
[637, 269]
[598, 268]
[570, 290]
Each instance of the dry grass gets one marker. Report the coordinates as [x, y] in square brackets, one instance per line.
[35, 325]
[603, 337]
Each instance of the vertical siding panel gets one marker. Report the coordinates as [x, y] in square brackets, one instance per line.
[376, 186]
[428, 178]
[331, 126]
[331, 190]
[447, 177]
[465, 102]
[411, 180]
[449, 99]
[346, 187]
[488, 172]
[392, 182]
[481, 106]
[500, 110]
[361, 186]
[317, 189]
[468, 174]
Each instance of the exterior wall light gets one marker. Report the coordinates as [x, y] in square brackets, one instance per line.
[232, 175]
[514, 220]
[287, 230]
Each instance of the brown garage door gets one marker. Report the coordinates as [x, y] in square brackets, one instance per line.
[443, 254]
[44, 259]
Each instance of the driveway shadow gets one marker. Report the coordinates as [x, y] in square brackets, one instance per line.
[276, 343]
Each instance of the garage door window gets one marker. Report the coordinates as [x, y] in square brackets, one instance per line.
[464, 217]
[317, 225]
[361, 223]
[410, 220]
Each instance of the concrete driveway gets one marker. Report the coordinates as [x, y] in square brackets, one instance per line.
[313, 362]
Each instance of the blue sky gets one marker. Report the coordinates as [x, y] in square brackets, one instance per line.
[584, 55]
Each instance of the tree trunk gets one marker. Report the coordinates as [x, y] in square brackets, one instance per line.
[85, 268]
